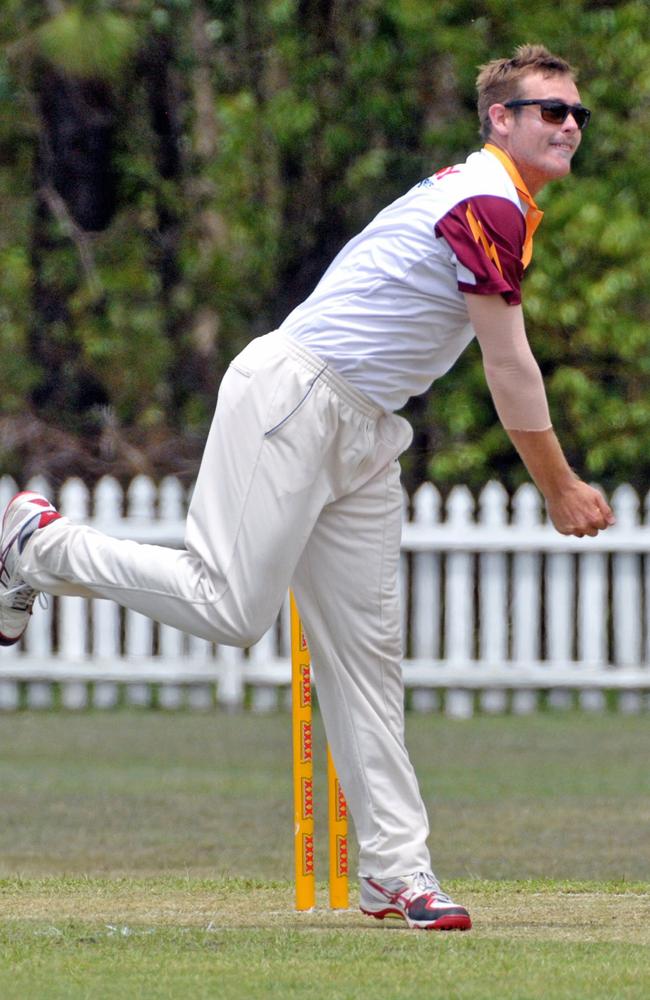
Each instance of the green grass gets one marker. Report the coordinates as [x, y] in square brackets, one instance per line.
[148, 855]
[160, 938]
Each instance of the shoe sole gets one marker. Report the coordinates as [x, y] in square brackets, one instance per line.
[448, 922]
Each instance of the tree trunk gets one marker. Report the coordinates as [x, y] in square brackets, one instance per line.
[75, 193]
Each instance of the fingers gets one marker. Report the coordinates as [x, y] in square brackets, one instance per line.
[606, 511]
[589, 526]
[584, 512]
[600, 518]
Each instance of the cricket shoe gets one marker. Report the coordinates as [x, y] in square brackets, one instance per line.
[25, 514]
[417, 899]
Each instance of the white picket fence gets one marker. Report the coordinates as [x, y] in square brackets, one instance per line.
[501, 613]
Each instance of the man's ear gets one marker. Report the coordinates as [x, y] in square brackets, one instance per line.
[500, 119]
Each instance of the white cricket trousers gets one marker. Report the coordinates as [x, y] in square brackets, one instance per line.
[299, 486]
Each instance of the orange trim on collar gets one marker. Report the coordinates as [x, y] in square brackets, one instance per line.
[534, 215]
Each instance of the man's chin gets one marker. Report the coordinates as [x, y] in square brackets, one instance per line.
[562, 159]
[559, 169]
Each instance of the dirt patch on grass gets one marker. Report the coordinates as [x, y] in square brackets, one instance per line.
[512, 912]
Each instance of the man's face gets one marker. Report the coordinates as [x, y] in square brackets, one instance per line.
[541, 150]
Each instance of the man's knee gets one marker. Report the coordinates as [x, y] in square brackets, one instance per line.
[250, 625]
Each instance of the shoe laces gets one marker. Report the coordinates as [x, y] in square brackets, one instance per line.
[426, 884]
[22, 597]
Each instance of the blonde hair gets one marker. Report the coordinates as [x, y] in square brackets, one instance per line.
[498, 81]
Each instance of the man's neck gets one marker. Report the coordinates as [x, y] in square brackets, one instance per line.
[504, 158]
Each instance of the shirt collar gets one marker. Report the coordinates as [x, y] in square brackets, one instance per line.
[533, 214]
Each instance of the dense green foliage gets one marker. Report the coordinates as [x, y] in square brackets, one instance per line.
[176, 174]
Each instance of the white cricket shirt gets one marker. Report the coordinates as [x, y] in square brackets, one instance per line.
[389, 313]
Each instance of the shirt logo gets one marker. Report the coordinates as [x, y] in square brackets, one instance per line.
[445, 172]
[428, 182]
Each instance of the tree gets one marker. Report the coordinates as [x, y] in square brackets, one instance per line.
[178, 173]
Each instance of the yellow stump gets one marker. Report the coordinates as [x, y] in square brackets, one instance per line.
[303, 768]
[338, 838]
[303, 788]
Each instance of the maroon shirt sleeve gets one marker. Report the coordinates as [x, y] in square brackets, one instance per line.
[487, 235]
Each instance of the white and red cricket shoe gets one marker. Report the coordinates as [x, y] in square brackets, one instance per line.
[417, 899]
[25, 514]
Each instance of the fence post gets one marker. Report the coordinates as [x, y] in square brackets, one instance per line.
[264, 697]
[171, 641]
[138, 629]
[627, 605]
[646, 589]
[493, 594]
[404, 572]
[526, 593]
[106, 615]
[459, 611]
[73, 611]
[425, 597]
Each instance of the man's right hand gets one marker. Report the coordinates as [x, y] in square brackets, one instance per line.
[579, 510]
[574, 507]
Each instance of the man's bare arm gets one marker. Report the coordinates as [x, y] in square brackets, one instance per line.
[517, 388]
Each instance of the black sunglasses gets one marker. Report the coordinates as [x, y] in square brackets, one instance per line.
[556, 112]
